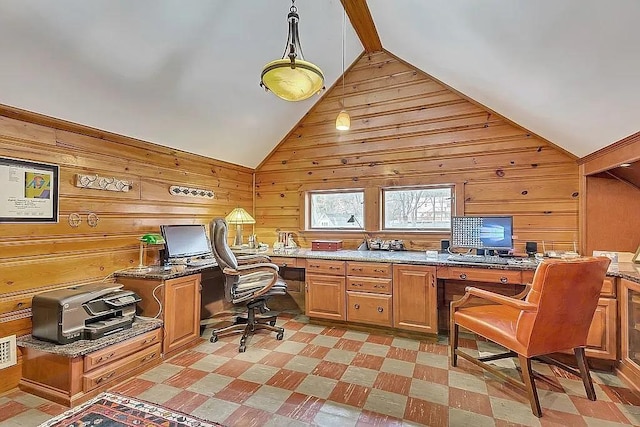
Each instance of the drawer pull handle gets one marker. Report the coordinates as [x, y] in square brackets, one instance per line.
[107, 357]
[503, 280]
[106, 377]
[149, 340]
[358, 284]
[380, 309]
[331, 267]
[314, 266]
[356, 306]
[20, 304]
[284, 264]
[377, 270]
[356, 269]
[463, 276]
[147, 358]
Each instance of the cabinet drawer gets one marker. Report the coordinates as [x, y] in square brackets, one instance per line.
[334, 268]
[369, 308]
[369, 284]
[117, 351]
[608, 287]
[369, 269]
[284, 261]
[481, 275]
[120, 367]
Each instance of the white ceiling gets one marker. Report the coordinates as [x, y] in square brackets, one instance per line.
[185, 74]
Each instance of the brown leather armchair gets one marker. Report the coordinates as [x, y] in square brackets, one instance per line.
[554, 316]
[250, 279]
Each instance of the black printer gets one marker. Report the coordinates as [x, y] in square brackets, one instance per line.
[88, 311]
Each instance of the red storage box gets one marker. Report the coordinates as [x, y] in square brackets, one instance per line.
[326, 245]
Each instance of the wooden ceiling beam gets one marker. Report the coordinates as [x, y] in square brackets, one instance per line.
[360, 17]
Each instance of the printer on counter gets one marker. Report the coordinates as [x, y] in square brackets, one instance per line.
[88, 311]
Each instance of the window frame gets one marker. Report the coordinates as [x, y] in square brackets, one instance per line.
[308, 209]
[383, 190]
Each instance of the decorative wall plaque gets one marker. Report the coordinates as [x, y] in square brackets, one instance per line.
[177, 190]
[109, 183]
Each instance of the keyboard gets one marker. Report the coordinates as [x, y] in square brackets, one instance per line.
[478, 259]
[202, 262]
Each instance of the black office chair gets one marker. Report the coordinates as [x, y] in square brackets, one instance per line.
[250, 279]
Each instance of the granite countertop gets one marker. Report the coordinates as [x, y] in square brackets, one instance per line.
[162, 273]
[82, 347]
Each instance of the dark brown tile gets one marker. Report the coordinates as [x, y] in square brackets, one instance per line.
[350, 394]
[467, 343]
[185, 378]
[622, 395]
[52, 408]
[134, 387]
[330, 370]
[228, 349]
[11, 409]
[301, 407]
[427, 413]
[373, 419]
[470, 401]
[368, 361]
[380, 339]
[599, 409]
[233, 368]
[434, 348]
[431, 374]
[503, 390]
[402, 354]
[347, 344]
[551, 418]
[276, 359]
[393, 383]
[315, 351]
[265, 343]
[333, 332]
[246, 416]
[304, 337]
[187, 358]
[286, 379]
[238, 391]
[292, 325]
[186, 401]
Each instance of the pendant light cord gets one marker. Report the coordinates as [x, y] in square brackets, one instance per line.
[344, 30]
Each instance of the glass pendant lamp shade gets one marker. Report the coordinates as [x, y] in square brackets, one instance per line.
[291, 77]
[343, 121]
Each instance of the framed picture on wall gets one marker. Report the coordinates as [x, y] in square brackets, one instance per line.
[28, 191]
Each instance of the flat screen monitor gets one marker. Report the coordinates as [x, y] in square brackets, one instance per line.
[183, 241]
[482, 232]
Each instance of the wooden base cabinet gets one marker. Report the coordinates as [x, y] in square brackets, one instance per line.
[180, 309]
[629, 367]
[325, 289]
[415, 305]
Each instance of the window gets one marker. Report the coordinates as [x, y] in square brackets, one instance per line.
[425, 208]
[333, 209]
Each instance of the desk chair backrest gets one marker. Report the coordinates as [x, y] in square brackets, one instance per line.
[221, 250]
[566, 293]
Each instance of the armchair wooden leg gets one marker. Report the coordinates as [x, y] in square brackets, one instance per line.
[584, 373]
[527, 376]
[453, 343]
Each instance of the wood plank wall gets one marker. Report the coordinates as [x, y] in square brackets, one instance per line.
[409, 129]
[34, 257]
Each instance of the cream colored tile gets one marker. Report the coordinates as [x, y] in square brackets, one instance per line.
[387, 403]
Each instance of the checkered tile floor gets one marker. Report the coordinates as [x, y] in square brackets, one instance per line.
[330, 376]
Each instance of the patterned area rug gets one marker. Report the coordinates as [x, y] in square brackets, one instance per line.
[113, 410]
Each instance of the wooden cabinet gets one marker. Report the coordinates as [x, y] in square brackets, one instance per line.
[72, 380]
[179, 307]
[325, 289]
[601, 340]
[629, 367]
[415, 305]
[369, 293]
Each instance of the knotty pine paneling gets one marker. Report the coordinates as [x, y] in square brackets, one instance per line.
[408, 129]
[36, 257]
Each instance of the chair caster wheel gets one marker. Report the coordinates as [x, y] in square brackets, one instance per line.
[279, 336]
[272, 322]
[242, 349]
[214, 338]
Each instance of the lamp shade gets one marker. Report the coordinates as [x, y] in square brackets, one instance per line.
[292, 81]
[239, 216]
[343, 121]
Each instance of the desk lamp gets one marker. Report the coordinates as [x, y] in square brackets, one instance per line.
[148, 239]
[239, 216]
[364, 246]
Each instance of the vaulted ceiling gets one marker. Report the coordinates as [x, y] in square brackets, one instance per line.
[185, 74]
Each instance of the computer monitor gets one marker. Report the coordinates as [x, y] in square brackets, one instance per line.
[482, 232]
[185, 241]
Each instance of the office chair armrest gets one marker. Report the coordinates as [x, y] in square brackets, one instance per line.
[524, 293]
[257, 265]
[251, 268]
[471, 292]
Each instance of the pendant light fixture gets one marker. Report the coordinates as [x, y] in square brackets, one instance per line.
[292, 78]
[343, 121]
